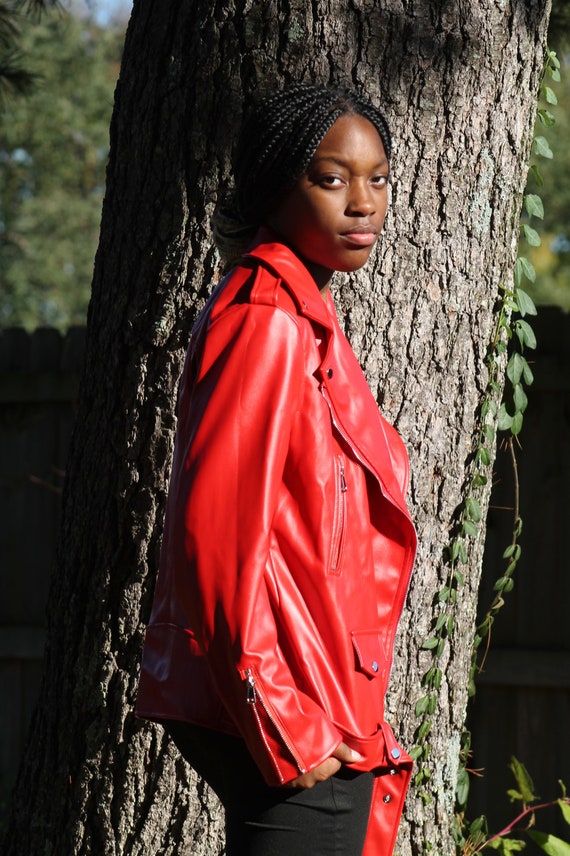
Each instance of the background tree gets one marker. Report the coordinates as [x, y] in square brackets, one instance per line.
[53, 152]
[15, 78]
[459, 85]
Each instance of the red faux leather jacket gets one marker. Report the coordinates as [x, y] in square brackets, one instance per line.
[287, 547]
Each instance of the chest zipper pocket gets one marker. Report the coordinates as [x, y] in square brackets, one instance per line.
[339, 517]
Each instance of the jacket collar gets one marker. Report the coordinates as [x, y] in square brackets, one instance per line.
[268, 249]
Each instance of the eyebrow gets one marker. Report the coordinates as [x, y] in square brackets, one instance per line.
[344, 163]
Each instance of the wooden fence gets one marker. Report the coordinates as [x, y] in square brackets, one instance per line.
[39, 378]
[522, 706]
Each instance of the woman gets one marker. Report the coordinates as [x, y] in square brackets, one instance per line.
[287, 547]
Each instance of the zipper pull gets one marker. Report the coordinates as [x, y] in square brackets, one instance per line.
[343, 486]
[251, 695]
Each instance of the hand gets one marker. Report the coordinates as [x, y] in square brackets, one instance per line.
[343, 754]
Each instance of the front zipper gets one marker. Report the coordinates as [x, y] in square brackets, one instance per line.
[339, 521]
[255, 701]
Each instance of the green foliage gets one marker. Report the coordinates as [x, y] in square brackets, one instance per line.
[523, 824]
[15, 78]
[53, 152]
[550, 257]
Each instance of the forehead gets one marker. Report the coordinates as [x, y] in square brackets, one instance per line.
[351, 137]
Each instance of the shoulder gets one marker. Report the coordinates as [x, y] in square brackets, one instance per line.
[253, 291]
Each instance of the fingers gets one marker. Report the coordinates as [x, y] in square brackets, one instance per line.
[343, 754]
[346, 755]
[320, 774]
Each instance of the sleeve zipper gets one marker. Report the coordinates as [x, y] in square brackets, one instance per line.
[255, 701]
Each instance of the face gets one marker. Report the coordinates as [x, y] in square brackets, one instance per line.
[333, 215]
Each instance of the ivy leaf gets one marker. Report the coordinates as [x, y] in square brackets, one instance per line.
[546, 118]
[525, 302]
[525, 334]
[454, 550]
[515, 368]
[520, 399]
[514, 796]
[531, 235]
[473, 509]
[422, 705]
[424, 730]
[505, 419]
[527, 374]
[506, 845]
[535, 172]
[523, 780]
[565, 808]
[550, 96]
[534, 206]
[517, 423]
[550, 844]
[437, 678]
[462, 788]
[553, 58]
[542, 148]
[524, 268]
[440, 622]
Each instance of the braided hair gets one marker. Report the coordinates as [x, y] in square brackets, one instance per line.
[278, 138]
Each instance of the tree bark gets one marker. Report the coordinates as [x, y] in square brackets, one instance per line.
[458, 82]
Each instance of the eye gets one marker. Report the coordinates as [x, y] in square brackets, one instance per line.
[380, 180]
[330, 181]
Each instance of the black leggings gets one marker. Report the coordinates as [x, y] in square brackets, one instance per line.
[329, 819]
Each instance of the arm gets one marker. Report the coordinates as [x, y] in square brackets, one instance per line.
[233, 443]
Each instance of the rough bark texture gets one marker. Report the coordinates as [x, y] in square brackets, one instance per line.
[458, 81]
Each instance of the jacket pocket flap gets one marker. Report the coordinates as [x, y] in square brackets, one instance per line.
[369, 651]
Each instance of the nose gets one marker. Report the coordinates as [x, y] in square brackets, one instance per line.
[361, 202]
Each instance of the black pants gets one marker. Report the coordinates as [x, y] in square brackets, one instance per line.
[329, 819]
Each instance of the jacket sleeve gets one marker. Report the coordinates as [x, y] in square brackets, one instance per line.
[233, 439]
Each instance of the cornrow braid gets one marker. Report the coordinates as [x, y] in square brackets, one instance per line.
[278, 138]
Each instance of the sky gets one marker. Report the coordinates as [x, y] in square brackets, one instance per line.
[105, 10]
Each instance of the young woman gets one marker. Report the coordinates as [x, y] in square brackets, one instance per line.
[287, 546]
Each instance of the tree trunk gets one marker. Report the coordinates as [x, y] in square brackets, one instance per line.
[458, 83]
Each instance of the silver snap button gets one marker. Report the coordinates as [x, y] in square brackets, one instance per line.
[392, 771]
[387, 799]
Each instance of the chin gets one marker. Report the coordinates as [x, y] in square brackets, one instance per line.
[352, 265]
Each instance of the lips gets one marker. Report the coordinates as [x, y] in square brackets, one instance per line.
[360, 236]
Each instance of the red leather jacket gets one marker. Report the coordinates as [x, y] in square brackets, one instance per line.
[287, 547]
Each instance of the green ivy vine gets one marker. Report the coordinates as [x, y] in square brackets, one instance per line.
[512, 339]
